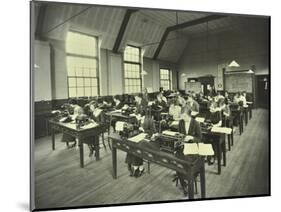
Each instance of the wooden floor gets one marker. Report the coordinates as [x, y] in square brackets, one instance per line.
[60, 182]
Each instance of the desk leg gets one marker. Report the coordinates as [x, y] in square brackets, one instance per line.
[246, 117]
[114, 162]
[190, 189]
[97, 147]
[53, 140]
[219, 156]
[250, 111]
[81, 149]
[224, 151]
[203, 181]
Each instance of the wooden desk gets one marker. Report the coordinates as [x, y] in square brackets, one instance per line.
[188, 166]
[218, 139]
[79, 134]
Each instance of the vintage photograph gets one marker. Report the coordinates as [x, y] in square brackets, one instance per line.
[140, 105]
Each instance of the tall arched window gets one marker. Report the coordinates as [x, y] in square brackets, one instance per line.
[82, 65]
[132, 69]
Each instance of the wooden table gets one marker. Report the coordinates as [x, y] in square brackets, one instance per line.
[79, 134]
[187, 166]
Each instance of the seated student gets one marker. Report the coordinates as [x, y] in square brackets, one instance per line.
[117, 104]
[77, 110]
[226, 96]
[237, 98]
[219, 96]
[96, 115]
[214, 114]
[135, 164]
[192, 104]
[188, 125]
[243, 98]
[180, 99]
[145, 94]
[175, 110]
[141, 103]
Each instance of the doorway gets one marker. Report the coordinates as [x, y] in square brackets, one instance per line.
[262, 91]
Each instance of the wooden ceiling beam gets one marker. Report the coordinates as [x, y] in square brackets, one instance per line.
[182, 26]
[122, 29]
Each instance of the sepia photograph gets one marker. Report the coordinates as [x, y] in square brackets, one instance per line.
[137, 105]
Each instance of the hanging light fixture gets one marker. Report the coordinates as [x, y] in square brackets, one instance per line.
[233, 64]
[183, 75]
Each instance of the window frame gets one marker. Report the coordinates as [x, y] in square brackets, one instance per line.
[97, 77]
[169, 79]
[134, 63]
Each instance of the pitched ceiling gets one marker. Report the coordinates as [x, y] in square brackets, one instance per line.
[145, 27]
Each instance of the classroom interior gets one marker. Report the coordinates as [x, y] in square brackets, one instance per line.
[150, 61]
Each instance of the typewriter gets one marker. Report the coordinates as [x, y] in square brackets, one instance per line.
[206, 126]
[81, 120]
[129, 130]
[169, 143]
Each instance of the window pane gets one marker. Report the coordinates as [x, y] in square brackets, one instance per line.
[94, 82]
[80, 82]
[80, 92]
[77, 43]
[72, 92]
[87, 82]
[71, 82]
[88, 91]
[94, 91]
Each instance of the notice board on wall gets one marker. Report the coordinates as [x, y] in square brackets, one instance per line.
[193, 86]
[239, 82]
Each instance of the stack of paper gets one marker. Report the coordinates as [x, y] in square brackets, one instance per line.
[223, 130]
[119, 126]
[201, 149]
[200, 119]
[170, 133]
[138, 137]
[194, 113]
[90, 125]
[163, 114]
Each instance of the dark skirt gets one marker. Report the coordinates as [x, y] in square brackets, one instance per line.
[133, 160]
[67, 138]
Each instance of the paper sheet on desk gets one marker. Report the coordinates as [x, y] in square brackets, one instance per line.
[138, 137]
[224, 130]
[90, 125]
[190, 149]
[168, 132]
[119, 126]
[201, 149]
[205, 149]
[194, 113]
[200, 119]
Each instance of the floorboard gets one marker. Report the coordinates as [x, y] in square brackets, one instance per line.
[60, 182]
